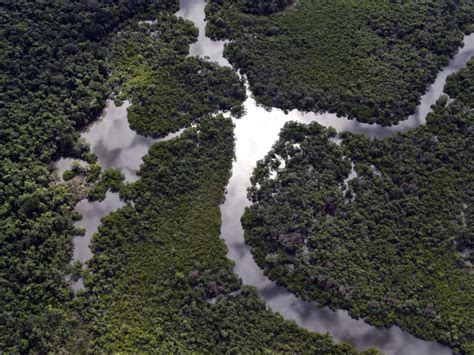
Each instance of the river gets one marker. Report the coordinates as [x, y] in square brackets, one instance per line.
[255, 134]
[117, 146]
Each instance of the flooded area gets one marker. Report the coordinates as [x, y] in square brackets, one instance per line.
[116, 146]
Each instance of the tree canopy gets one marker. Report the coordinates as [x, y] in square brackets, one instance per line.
[159, 280]
[368, 60]
[392, 244]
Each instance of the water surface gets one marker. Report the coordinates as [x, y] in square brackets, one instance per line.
[115, 143]
[255, 134]
[204, 47]
[117, 146]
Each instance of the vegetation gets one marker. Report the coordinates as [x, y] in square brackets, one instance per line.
[160, 280]
[392, 245]
[168, 89]
[461, 86]
[371, 60]
[110, 179]
[262, 7]
[53, 80]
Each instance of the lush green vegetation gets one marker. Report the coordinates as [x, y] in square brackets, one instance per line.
[53, 80]
[461, 86]
[168, 89]
[159, 279]
[393, 245]
[371, 60]
[262, 7]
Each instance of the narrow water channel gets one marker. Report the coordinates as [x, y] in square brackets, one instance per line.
[117, 146]
[255, 134]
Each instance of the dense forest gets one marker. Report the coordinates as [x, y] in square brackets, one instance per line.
[54, 80]
[392, 244]
[159, 279]
[369, 60]
[262, 7]
[168, 89]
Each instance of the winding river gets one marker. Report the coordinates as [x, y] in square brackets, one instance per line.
[255, 134]
[117, 146]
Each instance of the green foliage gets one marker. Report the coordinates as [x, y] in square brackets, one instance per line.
[263, 7]
[160, 280]
[158, 266]
[93, 173]
[68, 175]
[53, 80]
[371, 60]
[393, 245]
[169, 90]
[110, 179]
[461, 86]
[76, 270]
